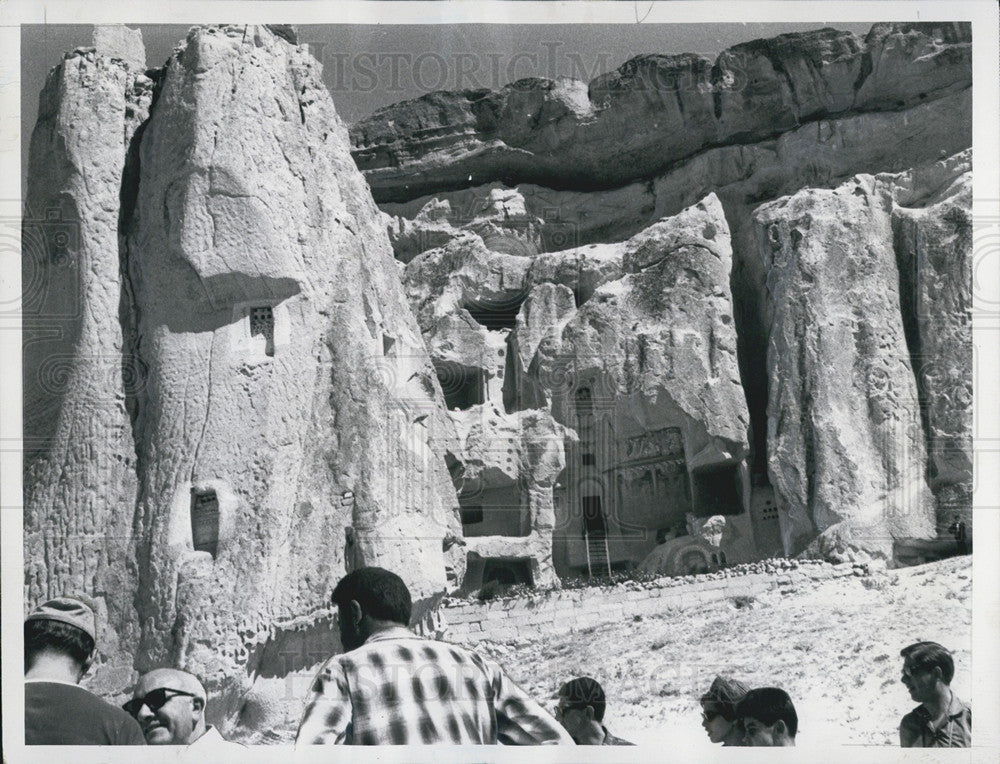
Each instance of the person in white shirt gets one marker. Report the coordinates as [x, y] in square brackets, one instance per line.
[169, 705]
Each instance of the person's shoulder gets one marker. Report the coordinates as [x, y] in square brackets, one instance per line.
[917, 717]
[610, 739]
[960, 705]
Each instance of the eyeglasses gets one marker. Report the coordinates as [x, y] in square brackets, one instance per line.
[154, 700]
[710, 715]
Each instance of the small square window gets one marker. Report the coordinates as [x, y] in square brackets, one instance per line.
[588, 459]
[262, 325]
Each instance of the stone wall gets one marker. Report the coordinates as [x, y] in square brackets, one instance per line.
[561, 612]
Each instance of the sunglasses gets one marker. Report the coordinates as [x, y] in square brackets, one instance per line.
[710, 715]
[154, 700]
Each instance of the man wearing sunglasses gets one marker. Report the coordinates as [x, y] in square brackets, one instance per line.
[942, 720]
[169, 705]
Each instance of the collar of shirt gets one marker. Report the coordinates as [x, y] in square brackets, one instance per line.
[396, 632]
[955, 709]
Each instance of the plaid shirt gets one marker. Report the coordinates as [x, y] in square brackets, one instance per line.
[400, 689]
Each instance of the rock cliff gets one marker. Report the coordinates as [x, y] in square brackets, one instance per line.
[529, 197]
[245, 409]
[80, 482]
[732, 296]
[654, 112]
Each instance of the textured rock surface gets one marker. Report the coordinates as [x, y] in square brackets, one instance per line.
[524, 452]
[794, 112]
[932, 223]
[663, 334]
[845, 442]
[247, 408]
[213, 317]
[654, 111]
[79, 479]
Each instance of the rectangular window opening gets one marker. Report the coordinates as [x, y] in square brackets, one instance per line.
[472, 515]
[205, 521]
[262, 325]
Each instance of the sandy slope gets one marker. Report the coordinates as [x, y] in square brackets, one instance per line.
[834, 646]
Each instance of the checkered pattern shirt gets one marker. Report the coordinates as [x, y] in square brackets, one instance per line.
[400, 689]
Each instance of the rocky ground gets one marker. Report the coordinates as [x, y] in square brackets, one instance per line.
[834, 646]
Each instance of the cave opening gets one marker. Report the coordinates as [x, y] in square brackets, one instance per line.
[507, 571]
[463, 386]
[716, 490]
[496, 315]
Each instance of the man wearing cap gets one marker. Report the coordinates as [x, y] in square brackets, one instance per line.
[718, 711]
[59, 646]
[169, 705]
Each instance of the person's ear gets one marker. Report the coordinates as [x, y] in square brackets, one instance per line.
[354, 612]
[779, 729]
[88, 662]
[589, 710]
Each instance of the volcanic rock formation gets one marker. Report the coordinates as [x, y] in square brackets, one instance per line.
[724, 305]
[575, 171]
[247, 409]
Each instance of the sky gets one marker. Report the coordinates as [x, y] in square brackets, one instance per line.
[367, 66]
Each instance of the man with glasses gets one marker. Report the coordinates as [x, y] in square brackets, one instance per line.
[60, 639]
[718, 711]
[169, 705]
[581, 711]
[941, 720]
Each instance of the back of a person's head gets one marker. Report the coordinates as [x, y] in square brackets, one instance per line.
[928, 655]
[585, 691]
[769, 705]
[380, 593]
[45, 636]
[64, 626]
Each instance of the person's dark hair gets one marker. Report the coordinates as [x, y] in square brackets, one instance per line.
[582, 692]
[927, 655]
[43, 635]
[381, 594]
[769, 705]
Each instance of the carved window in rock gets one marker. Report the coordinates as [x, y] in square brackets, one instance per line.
[716, 491]
[205, 521]
[769, 511]
[262, 325]
[508, 571]
[463, 386]
[471, 515]
[588, 459]
[584, 403]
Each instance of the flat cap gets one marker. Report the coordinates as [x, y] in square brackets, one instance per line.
[69, 610]
[725, 692]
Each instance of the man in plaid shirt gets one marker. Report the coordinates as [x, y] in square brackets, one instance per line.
[393, 687]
